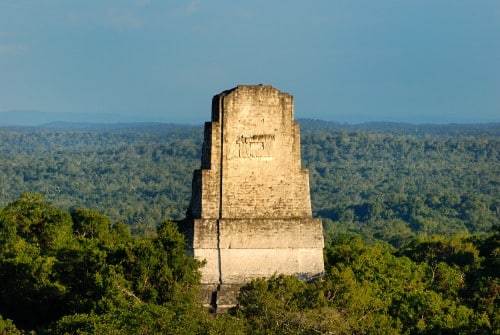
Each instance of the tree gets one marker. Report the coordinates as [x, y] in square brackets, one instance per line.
[94, 275]
[31, 232]
[286, 305]
[8, 327]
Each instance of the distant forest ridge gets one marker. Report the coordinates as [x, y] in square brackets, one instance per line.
[399, 128]
[450, 129]
[36, 118]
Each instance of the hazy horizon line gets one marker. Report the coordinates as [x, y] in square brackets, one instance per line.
[39, 118]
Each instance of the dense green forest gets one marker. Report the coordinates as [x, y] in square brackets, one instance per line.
[383, 181]
[76, 272]
[411, 216]
[140, 174]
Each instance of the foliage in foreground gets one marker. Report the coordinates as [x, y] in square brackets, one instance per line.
[435, 286]
[77, 273]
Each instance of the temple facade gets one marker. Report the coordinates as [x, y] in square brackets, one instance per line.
[250, 212]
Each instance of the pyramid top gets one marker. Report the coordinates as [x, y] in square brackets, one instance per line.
[251, 158]
[252, 95]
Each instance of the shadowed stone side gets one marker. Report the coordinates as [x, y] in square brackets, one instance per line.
[250, 212]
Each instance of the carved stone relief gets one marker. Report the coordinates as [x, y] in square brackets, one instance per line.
[256, 146]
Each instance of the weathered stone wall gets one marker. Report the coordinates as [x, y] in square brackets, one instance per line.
[262, 177]
[251, 208]
[242, 249]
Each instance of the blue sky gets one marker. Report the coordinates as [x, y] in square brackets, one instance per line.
[343, 60]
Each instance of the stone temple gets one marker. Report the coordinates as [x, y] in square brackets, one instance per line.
[250, 212]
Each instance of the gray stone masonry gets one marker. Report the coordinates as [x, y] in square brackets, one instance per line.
[250, 212]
